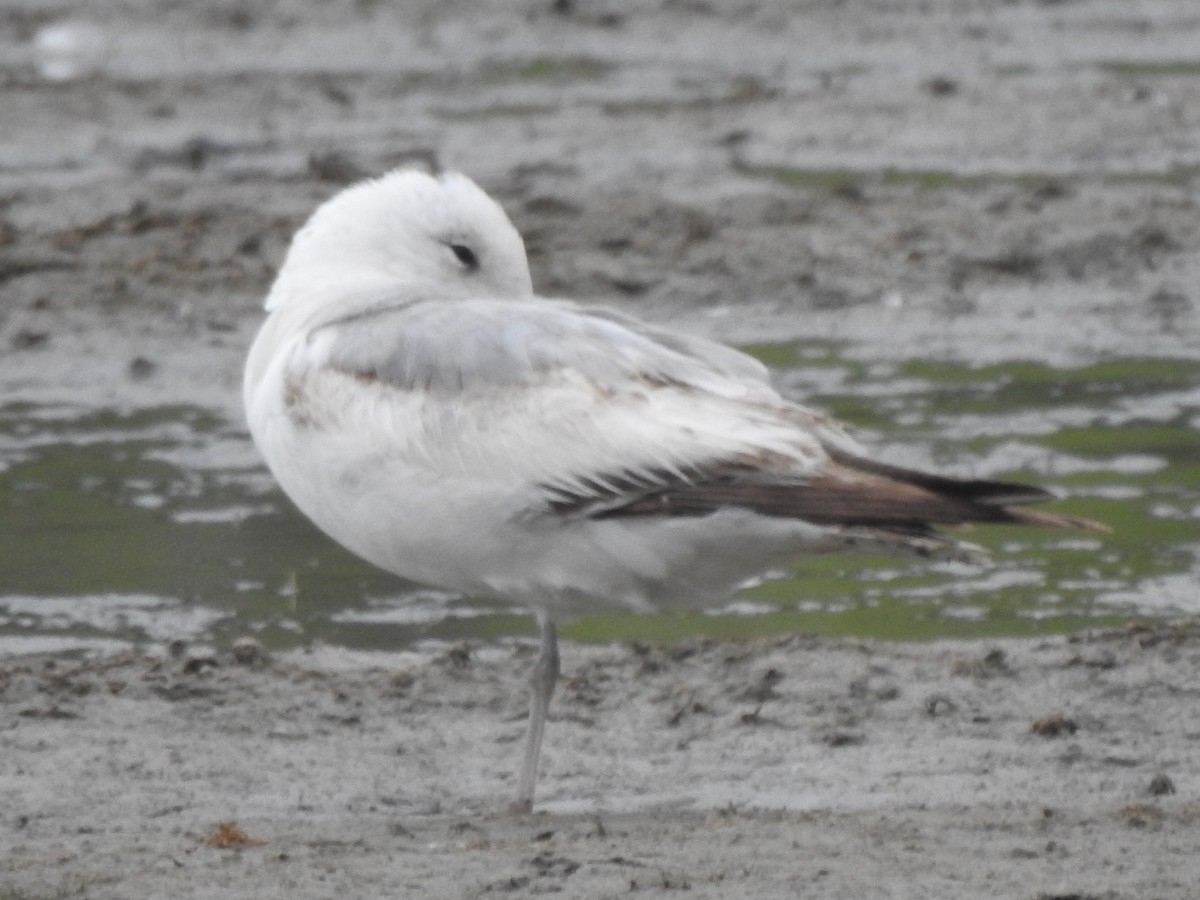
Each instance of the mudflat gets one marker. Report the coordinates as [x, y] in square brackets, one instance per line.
[794, 767]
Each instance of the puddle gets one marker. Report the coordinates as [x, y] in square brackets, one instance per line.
[139, 528]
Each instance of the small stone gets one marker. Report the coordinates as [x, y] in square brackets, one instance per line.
[1161, 784]
[26, 339]
[1054, 725]
[141, 368]
[247, 651]
[941, 86]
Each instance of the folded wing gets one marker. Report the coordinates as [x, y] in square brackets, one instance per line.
[603, 416]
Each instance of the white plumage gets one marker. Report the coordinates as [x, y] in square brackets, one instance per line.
[426, 410]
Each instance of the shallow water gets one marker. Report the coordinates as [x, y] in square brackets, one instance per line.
[144, 527]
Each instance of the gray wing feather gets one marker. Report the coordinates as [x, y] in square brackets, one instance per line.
[719, 356]
[435, 341]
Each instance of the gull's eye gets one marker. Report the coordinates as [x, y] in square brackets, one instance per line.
[466, 256]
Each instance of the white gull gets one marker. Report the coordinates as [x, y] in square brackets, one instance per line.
[421, 405]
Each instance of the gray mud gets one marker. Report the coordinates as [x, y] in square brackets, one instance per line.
[796, 767]
[972, 181]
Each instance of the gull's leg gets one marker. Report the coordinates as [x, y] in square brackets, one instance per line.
[542, 681]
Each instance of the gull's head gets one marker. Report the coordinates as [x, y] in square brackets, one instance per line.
[405, 227]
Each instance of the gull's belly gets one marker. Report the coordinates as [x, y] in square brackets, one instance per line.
[399, 517]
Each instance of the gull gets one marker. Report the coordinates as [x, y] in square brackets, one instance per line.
[416, 400]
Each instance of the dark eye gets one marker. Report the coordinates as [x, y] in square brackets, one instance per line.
[466, 256]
